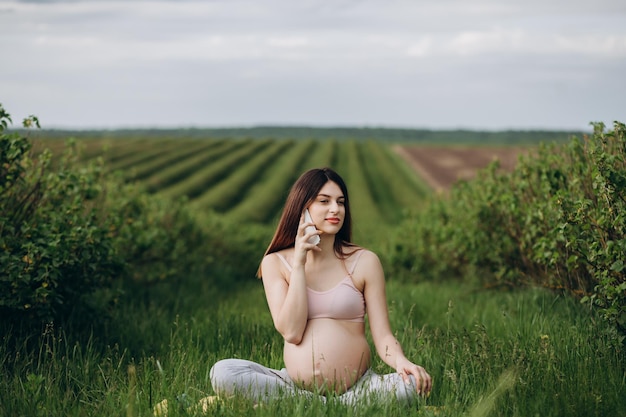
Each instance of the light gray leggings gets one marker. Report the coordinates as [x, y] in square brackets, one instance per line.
[259, 383]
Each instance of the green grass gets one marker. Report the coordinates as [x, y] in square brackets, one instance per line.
[521, 353]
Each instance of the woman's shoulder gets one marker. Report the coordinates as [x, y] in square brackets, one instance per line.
[278, 259]
[283, 252]
[359, 251]
[362, 258]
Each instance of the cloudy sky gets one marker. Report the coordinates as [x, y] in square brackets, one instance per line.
[439, 64]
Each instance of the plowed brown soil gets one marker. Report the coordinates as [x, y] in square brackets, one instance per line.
[442, 166]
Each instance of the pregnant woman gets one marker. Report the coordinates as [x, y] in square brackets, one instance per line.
[318, 292]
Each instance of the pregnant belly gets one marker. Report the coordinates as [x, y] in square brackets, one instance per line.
[332, 356]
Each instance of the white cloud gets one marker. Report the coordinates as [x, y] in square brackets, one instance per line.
[391, 54]
[506, 41]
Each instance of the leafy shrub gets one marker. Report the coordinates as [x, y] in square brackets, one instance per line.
[72, 237]
[53, 248]
[556, 221]
[157, 238]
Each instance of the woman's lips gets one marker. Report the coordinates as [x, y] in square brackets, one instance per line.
[333, 220]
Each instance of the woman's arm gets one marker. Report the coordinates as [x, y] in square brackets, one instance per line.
[287, 301]
[387, 346]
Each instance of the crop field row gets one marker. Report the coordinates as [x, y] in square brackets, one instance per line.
[248, 179]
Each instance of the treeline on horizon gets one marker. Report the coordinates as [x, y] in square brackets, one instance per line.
[395, 135]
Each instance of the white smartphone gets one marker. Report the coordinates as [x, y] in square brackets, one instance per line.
[307, 218]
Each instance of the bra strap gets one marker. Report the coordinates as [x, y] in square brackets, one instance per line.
[282, 258]
[358, 255]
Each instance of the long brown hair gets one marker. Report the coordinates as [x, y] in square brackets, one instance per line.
[303, 192]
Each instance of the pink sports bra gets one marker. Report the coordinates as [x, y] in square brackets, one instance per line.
[343, 302]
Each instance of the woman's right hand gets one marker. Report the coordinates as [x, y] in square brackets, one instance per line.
[302, 245]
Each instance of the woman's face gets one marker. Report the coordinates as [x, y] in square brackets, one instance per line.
[328, 210]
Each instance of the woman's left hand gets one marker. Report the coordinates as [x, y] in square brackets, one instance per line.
[423, 381]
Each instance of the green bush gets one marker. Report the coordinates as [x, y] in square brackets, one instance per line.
[73, 238]
[157, 238]
[53, 248]
[556, 221]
